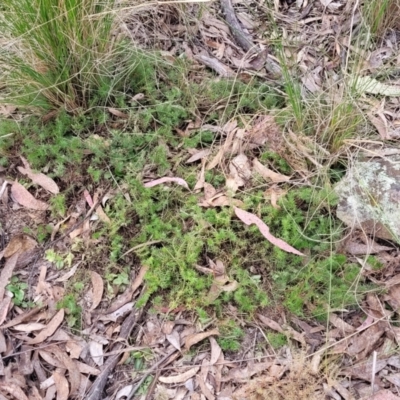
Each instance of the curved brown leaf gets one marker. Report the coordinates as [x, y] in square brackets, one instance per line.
[6, 273]
[49, 330]
[198, 337]
[40, 179]
[23, 197]
[159, 181]
[249, 219]
[61, 384]
[98, 287]
[181, 377]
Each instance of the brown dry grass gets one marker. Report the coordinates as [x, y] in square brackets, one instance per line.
[297, 381]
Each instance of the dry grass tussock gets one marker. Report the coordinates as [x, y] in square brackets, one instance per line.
[295, 380]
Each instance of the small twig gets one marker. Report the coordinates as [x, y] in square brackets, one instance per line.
[96, 391]
[150, 390]
[373, 372]
[243, 40]
[139, 246]
[322, 350]
[216, 65]
[149, 372]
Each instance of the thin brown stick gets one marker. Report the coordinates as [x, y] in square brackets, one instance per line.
[215, 65]
[241, 38]
[149, 372]
[96, 391]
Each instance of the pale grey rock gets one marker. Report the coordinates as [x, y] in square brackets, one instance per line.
[369, 197]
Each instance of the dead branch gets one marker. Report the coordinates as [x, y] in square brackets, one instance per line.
[241, 37]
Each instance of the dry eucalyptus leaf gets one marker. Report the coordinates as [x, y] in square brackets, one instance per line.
[19, 244]
[215, 350]
[13, 390]
[61, 385]
[380, 124]
[49, 330]
[378, 56]
[4, 307]
[73, 372]
[202, 378]
[7, 109]
[198, 337]
[181, 377]
[118, 113]
[23, 197]
[31, 327]
[40, 179]
[385, 394]
[159, 181]
[6, 273]
[68, 275]
[22, 318]
[249, 219]
[96, 352]
[221, 284]
[174, 339]
[98, 288]
[124, 392]
[270, 323]
[74, 348]
[273, 194]
[268, 174]
[99, 209]
[198, 156]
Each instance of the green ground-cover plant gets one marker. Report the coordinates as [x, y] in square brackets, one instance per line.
[188, 234]
[91, 149]
[18, 290]
[308, 286]
[70, 304]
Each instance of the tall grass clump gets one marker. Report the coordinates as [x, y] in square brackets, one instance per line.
[60, 54]
[382, 15]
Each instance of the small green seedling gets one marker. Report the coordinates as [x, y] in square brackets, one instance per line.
[72, 309]
[60, 261]
[18, 290]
